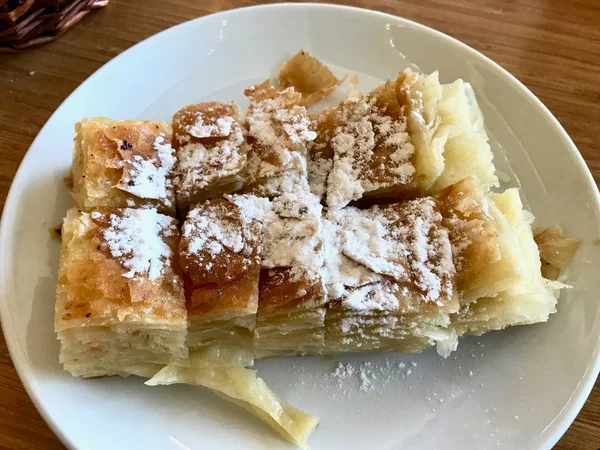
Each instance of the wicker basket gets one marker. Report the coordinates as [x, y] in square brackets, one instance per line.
[24, 23]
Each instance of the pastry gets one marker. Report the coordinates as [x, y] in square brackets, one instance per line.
[119, 298]
[219, 255]
[278, 131]
[291, 313]
[123, 163]
[362, 149]
[211, 152]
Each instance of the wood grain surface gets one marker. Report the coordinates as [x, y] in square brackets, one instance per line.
[551, 46]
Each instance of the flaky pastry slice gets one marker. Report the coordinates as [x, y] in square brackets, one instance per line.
[390, 277]
[123, 163]
[220, 355]
[368, 319]
[207, 357]
[278, 131]
[291, 301]
[485, 248]
[242, 387]
[405, 271]
[446, 127]
[211, 152]
[120, 303]
[532, 299]
[291, 314]
[219, 255]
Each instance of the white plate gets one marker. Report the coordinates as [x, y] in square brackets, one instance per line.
[527, 384]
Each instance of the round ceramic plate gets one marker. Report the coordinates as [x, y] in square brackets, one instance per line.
[519, 388]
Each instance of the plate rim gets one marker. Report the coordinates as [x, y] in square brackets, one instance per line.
[574, 404]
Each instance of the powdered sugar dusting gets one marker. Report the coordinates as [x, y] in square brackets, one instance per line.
[368, 375]
[252, 207]
[342, 371]
[278, 132]
[365, 237]
[151, 178]
[276, 181]
[219, 242]
[222, 127]
[365, 132]
[213, 228]
[291, 230]
[353, 145]
[136, 238]
[373, 297]
[201, 165]
[269, 117]
[404, 242]
[340, 272]
[292, 234]
[318, 172]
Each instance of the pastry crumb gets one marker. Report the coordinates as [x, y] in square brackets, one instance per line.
[56, 232]
[556, 250]
[68, 180]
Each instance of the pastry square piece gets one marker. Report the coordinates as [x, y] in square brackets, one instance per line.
[211, 153]
[120, 303]
[390, 277]
[123, 163]
[278, 131]
[291, 306]
[362, 149]
[219, 255]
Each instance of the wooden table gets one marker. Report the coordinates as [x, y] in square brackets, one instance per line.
[551, 46]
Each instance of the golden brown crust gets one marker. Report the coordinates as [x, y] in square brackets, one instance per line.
[380, 168]
[104, 154]
[402, 216]
[210, 111]
[308, 76]
[238, 296]
[411, 305]
[362, 142]
[92, 287]
[218, 252]
[324, 124]
[286, 98]
[401, 89]
[205, 254]
[280, 289]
